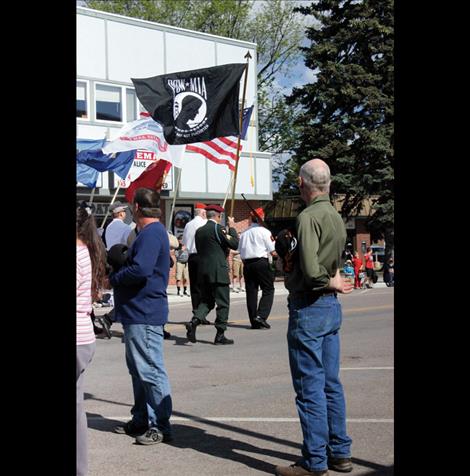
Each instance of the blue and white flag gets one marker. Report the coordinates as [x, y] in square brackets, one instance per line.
[246, 121]
[90, 144]
[120, 163]
[85, 174]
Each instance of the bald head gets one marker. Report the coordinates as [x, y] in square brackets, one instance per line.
[316, 176]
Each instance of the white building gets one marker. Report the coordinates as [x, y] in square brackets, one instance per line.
[110, 50]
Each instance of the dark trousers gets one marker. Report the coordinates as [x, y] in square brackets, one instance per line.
[214, 294]
[194, 287]
[258, 274]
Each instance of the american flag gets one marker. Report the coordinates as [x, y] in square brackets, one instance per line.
[223, 150]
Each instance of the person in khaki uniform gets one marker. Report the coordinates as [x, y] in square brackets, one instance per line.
[213, 243]
[237, 272]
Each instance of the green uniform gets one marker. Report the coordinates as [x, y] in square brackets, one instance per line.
[212, 244]
[321, 237]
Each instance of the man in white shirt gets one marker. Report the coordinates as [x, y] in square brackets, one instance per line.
[189, 234]
[255, 247]
[117, 231]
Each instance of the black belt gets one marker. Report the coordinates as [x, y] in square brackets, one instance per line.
[313, 295]
[252, 260]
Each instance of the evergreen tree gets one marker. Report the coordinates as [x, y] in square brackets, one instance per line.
[347, 112]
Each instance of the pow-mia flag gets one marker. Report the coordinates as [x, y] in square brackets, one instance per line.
[194, 106]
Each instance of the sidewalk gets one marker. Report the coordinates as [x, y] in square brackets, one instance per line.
[279, 287]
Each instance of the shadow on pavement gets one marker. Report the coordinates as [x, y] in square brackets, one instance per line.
[239, 326]
[198, 439]
[100, 423]
[236, 429]
[383, 471]
[225, 448]
[379, 468]
[178, 340]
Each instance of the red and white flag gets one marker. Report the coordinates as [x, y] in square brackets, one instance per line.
[145, 133]
[222, 150]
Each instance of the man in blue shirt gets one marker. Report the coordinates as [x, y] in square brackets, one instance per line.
[141, 306]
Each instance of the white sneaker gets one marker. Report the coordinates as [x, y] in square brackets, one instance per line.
[235, 290]
[242, 289]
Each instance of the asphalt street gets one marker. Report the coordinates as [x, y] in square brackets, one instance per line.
[233, 406]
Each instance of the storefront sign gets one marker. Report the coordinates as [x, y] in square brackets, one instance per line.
[142, 160]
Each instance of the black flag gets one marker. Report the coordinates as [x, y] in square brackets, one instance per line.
[194, 106]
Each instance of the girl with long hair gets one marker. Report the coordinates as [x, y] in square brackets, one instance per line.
[91, 272]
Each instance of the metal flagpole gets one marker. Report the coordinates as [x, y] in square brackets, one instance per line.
[247, 56]
[112, 201]
[92, 194]
[174, 197]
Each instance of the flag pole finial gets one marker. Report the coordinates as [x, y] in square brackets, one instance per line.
[247, 56]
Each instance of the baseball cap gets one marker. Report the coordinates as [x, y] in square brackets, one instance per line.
[200, 205]
[117, 207]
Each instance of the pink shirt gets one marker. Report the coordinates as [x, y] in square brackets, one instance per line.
[85, 333]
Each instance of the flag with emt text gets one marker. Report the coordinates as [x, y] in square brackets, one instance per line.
[153, 177]
[223, 150]
[145, 134]
[194, 106]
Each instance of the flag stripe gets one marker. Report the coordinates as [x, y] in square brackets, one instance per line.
[228, 141]
[222, 150]
[214, 149]
[209, 156]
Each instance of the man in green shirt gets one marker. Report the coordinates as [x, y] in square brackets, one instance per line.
[313, 332]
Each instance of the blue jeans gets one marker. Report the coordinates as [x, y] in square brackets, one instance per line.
[152, 393]
[314, 357]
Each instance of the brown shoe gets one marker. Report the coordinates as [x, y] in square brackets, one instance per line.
[342, 465]
[297, 470]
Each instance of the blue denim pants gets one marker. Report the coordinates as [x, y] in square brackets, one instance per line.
[314, 357]
[152, 393]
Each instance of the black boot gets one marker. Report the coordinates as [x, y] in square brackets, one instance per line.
[185, 292]
[220, 339]
[191, 329]
[178, 289]
[104, 324]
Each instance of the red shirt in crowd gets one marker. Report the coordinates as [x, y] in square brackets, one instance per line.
[357, 263]
[369, 261]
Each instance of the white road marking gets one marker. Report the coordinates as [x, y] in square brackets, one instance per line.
[367, 368]
[248, 419]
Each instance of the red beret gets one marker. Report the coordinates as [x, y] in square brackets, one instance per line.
[216, 208]
[259, 211]
[199, 205]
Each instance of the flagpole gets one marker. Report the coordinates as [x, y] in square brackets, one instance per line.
[228, 189]
[92, 193]
[247, 56]
[112, 201]
[174, 197]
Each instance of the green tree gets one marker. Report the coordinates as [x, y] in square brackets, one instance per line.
[347, 112]
[274, 25]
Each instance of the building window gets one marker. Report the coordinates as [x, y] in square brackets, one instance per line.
[108, 103]
[82, 103]
[131, 105]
